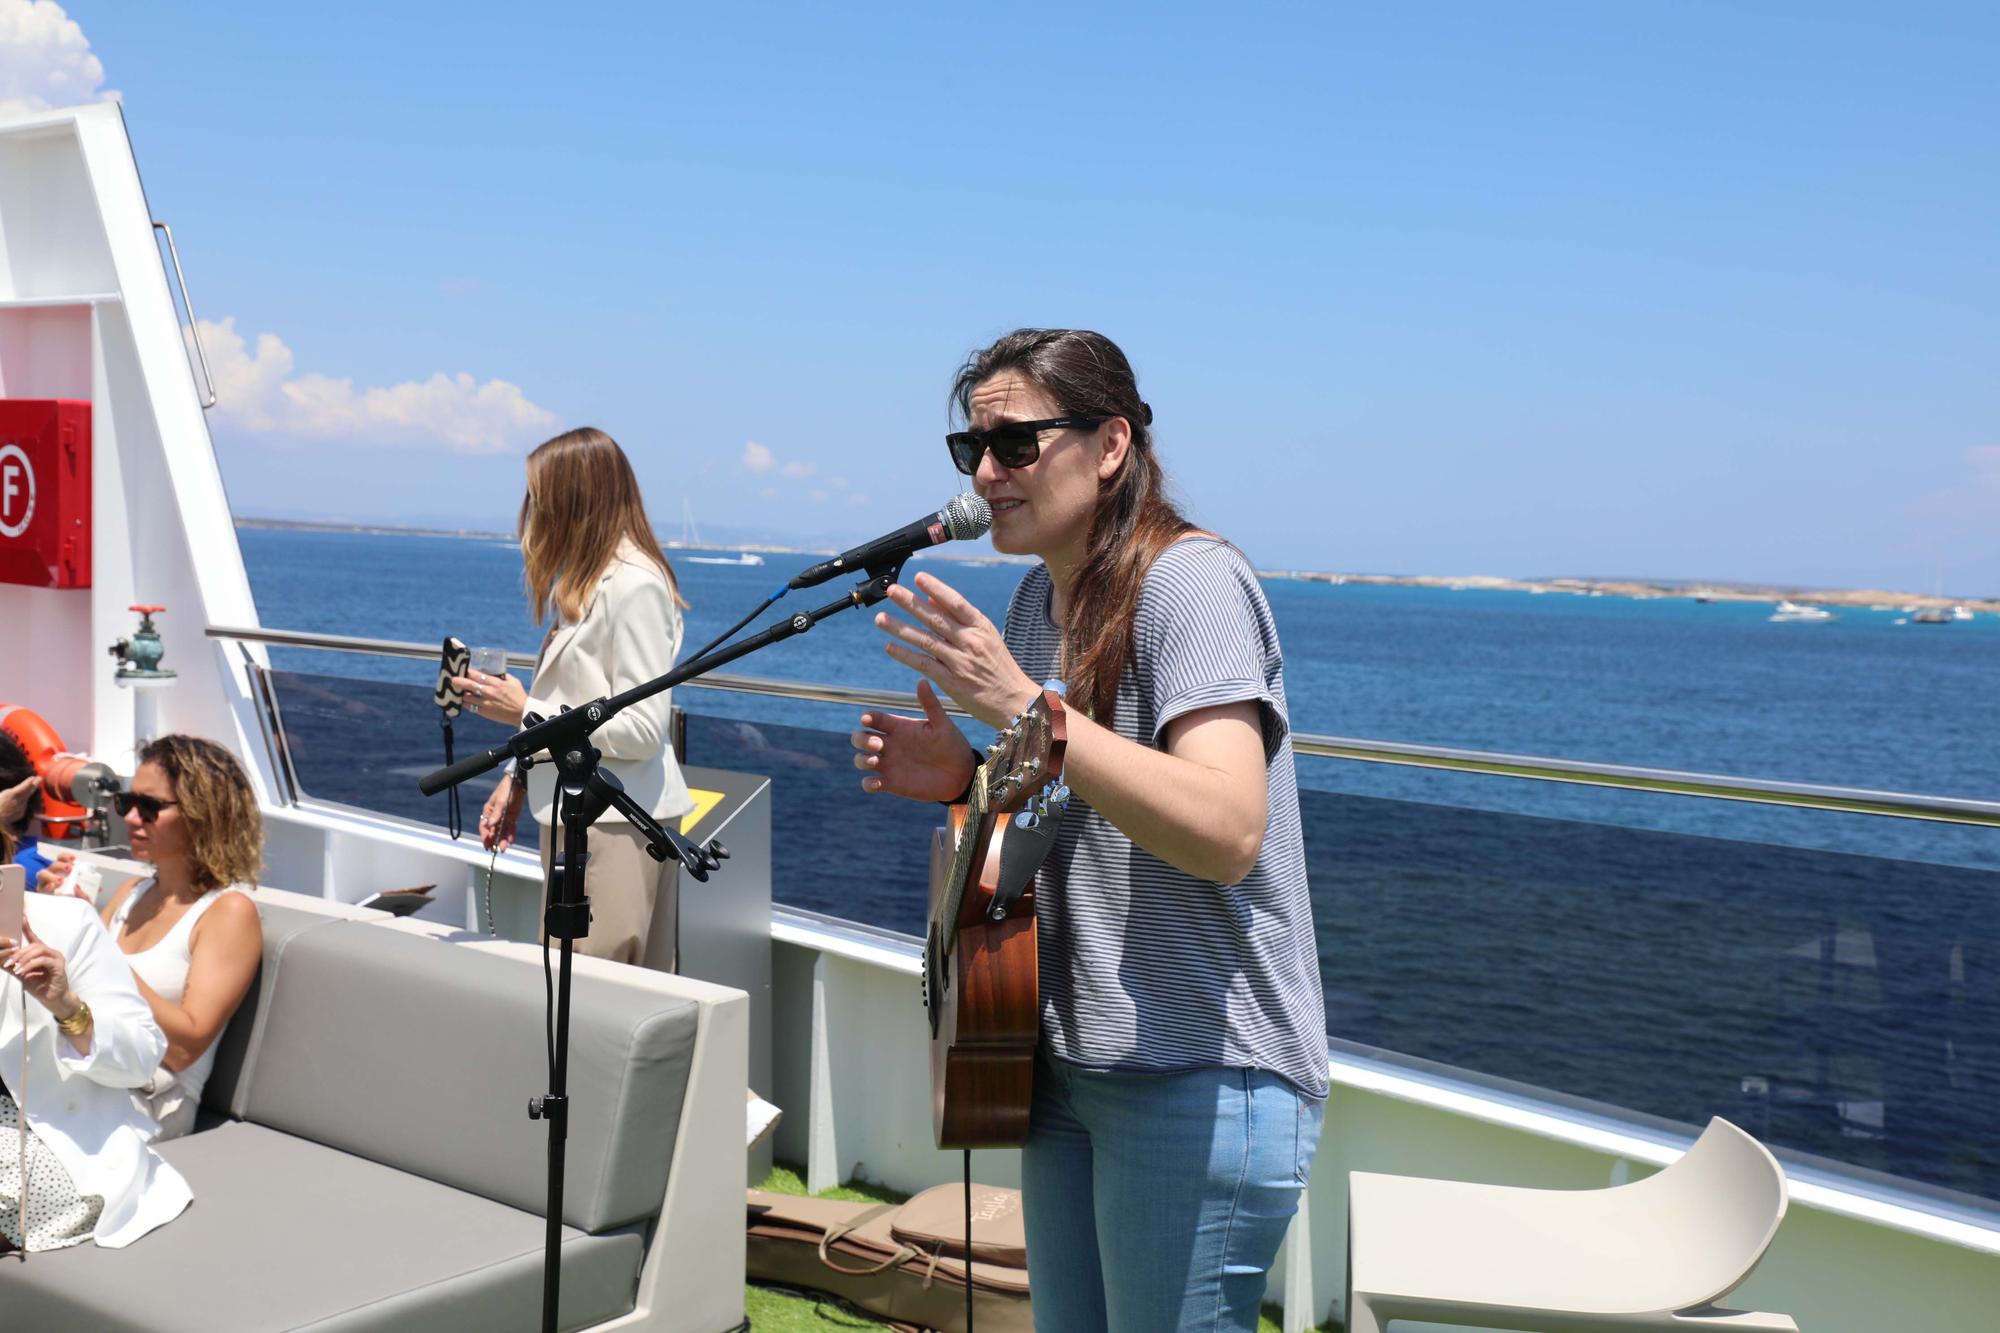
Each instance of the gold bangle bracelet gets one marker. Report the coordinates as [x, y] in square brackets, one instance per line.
[77, 1023]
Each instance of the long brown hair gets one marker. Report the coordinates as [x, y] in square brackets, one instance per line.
[1088, 376]
[582, 501]
[225, 830]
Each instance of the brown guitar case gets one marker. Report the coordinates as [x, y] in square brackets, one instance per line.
[903, 1263]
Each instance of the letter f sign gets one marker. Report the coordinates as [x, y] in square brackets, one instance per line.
[17, 491]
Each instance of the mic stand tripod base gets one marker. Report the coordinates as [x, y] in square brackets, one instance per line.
[585, 792]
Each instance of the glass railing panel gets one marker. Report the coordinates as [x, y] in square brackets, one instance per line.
[1841, 1004]
[365, 742]
[834, 848]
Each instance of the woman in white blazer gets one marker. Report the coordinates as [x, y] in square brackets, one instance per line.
[593, 566]
[90, 1039]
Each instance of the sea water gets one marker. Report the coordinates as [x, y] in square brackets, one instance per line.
[1663, 683]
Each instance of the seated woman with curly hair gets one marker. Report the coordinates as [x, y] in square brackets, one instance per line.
[189, 930]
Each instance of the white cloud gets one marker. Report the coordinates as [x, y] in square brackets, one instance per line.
[258, 391]
[763, 461]
[45, 59]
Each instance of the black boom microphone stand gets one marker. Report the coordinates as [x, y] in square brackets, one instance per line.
[585, 792]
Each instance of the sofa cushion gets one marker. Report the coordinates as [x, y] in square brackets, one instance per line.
[423, 1055]
[236, 1047]
[287, 1234]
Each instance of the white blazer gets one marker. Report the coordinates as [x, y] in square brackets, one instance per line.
[81, 1105]
[630, 633]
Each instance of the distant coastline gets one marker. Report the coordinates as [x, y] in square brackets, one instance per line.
[1652, 589]
[1641, 589]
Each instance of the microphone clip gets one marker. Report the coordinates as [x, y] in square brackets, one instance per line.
[878, 578]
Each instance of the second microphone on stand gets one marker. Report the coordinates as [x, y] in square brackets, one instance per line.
[967, 516]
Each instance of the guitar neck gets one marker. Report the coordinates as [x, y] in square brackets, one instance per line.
[963, 854]
[1020, 763]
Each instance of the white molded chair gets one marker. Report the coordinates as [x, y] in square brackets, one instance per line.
[1654, 1254]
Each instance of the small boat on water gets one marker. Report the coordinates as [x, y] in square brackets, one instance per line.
[1790, 612]
[1961, 612]
[1932, 615]
[692, 538]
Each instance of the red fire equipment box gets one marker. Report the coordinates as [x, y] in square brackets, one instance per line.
[45, 492]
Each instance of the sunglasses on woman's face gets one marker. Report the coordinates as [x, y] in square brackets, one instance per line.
[1015, 444]
[149, 807]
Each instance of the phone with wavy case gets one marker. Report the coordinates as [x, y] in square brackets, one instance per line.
[453, 660]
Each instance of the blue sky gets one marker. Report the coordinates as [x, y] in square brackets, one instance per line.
[1689, 290]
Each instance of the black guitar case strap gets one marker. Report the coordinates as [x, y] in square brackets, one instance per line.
[454, 818]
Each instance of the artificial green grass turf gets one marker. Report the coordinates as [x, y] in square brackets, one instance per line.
[779, 1312]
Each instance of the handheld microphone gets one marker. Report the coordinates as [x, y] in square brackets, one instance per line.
[967, 516]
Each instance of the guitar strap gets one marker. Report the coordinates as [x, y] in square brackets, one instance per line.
[1023, 848]
[1030, 836]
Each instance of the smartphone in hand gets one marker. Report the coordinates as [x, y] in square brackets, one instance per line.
[453, 660]
[13, 901]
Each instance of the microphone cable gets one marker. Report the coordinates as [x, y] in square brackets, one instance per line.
[735, 629]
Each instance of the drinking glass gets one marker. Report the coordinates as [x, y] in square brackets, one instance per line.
[490, 661]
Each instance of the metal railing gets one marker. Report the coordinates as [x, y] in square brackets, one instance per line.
[1713, 786]
[193, 324]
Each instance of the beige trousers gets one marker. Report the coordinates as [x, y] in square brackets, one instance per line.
[626, 887]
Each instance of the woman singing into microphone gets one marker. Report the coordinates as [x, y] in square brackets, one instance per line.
[1181, 1074]
[593, 563]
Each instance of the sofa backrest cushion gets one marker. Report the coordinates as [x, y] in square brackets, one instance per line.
[228, 1080]
[423, 1055]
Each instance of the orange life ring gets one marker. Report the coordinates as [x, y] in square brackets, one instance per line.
[52, 763]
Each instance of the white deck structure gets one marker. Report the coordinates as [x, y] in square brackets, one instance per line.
[87, 311]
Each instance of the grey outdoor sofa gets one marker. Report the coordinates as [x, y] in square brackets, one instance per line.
[370, 1165]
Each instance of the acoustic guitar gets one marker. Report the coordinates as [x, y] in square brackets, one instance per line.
[980, 983]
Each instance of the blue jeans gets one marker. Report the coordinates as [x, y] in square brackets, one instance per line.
[1157, 1201]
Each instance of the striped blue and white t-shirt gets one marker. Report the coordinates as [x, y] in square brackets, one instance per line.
[1145, 967]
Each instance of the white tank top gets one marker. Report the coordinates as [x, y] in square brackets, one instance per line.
[165, 965]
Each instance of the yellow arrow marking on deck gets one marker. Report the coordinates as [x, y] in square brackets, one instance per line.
[704, 801]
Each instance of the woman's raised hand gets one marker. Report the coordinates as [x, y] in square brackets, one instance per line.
[924, 758]
[958, 649]
[14, 801]
[500, 698]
